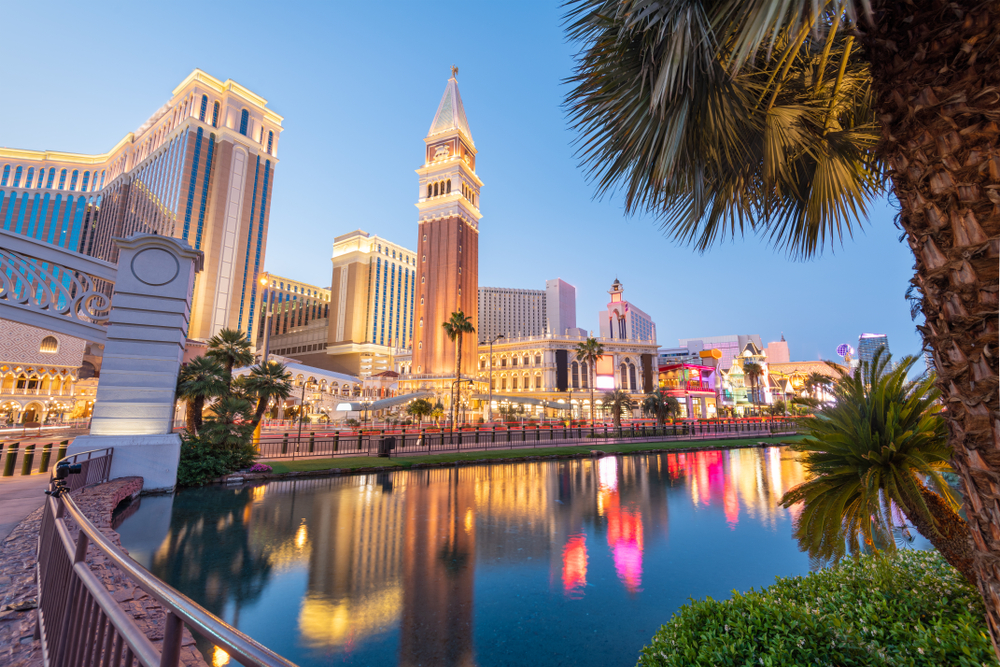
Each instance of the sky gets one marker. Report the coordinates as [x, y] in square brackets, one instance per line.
[358, 85]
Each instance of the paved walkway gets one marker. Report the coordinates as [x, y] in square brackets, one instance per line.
[20, 495]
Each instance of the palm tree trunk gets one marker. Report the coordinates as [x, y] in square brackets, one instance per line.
[934, 77]
[259, 413]
[197, 409]
[458, 376]
[590, 372]
[949, 534]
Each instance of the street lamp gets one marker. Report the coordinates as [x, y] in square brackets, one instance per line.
[453, 383]
[489, 406]
[265, 281]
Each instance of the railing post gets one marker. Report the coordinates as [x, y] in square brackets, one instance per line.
[336, 441]
[312, 442]
[173, 633]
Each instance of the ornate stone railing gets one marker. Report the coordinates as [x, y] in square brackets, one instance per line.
[50, 287]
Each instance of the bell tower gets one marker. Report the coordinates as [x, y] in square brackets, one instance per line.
[448, 240]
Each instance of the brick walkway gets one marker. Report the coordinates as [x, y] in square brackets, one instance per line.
[17, 580]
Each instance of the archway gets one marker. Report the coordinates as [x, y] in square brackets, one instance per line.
[32, 413]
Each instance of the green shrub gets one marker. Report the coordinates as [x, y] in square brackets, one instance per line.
[909, 608]
[201, 462]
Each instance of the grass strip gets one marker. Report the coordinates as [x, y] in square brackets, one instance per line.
[303, 465]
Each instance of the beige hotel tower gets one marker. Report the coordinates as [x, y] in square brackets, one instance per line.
[447, 277]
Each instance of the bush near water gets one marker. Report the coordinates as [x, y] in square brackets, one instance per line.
[909, 608]
[202, 461]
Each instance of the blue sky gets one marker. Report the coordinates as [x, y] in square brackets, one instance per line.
[358, 84]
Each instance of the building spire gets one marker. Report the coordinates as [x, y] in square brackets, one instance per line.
[454, 71]
[450, 114]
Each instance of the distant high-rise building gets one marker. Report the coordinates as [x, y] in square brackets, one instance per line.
[623, 320]
[200, 169]
[560, 306]
[372, 299]
[524, 312]
[870, 343]
[729, 346]
[777, 351]
[511, 312]
[299, 313]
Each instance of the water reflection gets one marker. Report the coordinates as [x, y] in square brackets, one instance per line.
[577, 560]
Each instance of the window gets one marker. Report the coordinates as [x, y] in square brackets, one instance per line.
[52, 177]
[49, 345]
[585, 375]
[270, 142]
[30, 177]
[513, 383]
[503, 362]
[503, 384]
[6, 175]
[513, 361]
[102, 177]
[430, 189]
[244, 121]
[86, 180]
[425, 235]
[215, 115]
[575, 383]
[204, 108]
[72, 180]
[41, 179]
[62, 179]
[448, 186]
[425, 259]
[17, 177]
[538, 360]
[538, 382]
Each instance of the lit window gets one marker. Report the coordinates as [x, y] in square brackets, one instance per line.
[215, 115]
[244, 121]
[49, 345]
[204, 108]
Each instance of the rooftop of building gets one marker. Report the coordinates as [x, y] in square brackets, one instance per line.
[450, 114]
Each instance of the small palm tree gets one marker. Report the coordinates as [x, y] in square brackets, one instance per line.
[588, 352]
[229, 427]
[661, 405]
[617, 402]
[200, 379]
[231, 348]
[456, 327]
[753, 372]
[419, 408]
[265, 382]
[878, 450]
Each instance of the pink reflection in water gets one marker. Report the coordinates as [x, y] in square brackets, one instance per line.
[574, 566]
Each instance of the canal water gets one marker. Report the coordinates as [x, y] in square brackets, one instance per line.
[550, 563]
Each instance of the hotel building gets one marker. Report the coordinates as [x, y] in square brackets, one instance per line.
[200, 169]
[523, 312]
[373, 291]
[623, 320]
[869, 344]
[294, 317]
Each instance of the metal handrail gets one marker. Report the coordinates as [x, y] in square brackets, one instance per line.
[84, 605]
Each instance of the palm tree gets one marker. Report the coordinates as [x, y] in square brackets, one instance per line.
[879, 449]
[588, 352]
[753, 372]
[816, 382]
[617, 401]
[231, 348]
[229, 427]
[787, 120]
[419, 408]
[200, 379]
[265, 382]
[661, 405]
[456, 327]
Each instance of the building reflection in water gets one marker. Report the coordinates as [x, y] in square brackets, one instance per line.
[397, 554]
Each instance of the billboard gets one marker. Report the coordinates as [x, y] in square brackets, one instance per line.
[604, 378]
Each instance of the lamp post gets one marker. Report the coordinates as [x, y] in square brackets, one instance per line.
[489, 405]
[453, 383]
[265, 281]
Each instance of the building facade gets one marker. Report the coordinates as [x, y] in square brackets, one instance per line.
[730, 346]
[200, 169]
[511, 312]
[293, 318]
[560, 306]
[624, 320]
[869, 344]
[373, 292]
[447, 279]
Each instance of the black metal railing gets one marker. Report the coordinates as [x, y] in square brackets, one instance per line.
[411, 440]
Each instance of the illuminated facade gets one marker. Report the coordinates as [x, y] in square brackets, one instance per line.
[869, 344]
[694, 387]
[200, 169]
[623, 320]
[297, 314]
[447, 277]
[373, 292]
[729, 346]
[524, 312]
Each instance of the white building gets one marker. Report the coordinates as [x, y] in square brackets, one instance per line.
[524, 312]
[623, 320]
[560, 306]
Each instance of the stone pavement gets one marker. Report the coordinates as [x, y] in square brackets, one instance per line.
[19, 497]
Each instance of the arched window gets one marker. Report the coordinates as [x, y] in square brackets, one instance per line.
[40, 183]
[575, 380]
[585, 375]
[102, 177]
[435, 189]
[513, 383]
[62, 179]
[17, 177]
[270, 142]
[49, 345]
[631, 376]
[538, 360]
[86, 181]
[624, 376]
[430, 189]
[30, 177]
[204, 108]
[503, 362]
[6, 175]
[52, 177]
[244, 121]
[503, 384]
[448, 186]
[538, 382]
[215, 115]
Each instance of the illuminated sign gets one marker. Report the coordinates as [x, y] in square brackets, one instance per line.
[605, 375]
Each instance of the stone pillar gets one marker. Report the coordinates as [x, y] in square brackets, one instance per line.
[147, 330]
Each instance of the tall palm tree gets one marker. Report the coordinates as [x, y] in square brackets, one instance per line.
[879, 449]
[231, 348]
[753, 372]
[787, 119]
[200, 379]
[456, 327]
[661, 405]
[617, 402]
[588, 352]
[267, 381]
